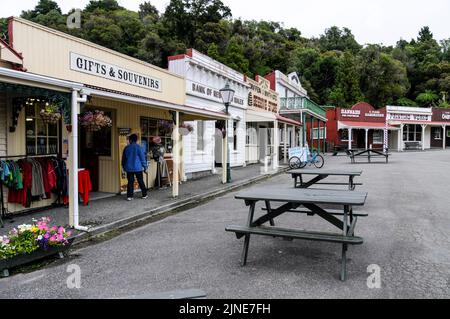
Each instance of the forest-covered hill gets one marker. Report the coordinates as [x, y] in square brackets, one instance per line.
[334, 68]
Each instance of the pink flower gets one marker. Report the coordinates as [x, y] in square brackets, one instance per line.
[54, 228]
[61, 230]
[53, 238]
[47, 236]
[42, 226]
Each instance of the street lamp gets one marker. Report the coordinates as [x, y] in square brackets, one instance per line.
[227, 94]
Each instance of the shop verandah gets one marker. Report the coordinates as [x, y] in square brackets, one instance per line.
[29, 137]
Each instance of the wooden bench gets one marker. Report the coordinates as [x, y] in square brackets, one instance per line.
[334, 212]
[294, 234]
[413, 145]
[320, 175]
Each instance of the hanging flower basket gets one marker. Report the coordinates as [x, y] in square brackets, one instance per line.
[94, 121]
[186, 129]
[50, 114]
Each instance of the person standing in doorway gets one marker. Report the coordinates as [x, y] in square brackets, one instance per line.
[134, 164]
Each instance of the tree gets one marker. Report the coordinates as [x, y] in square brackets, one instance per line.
[404, 101]
[347, 91]
[102, 5]
[146, 9]
[340, 40]
[383, 79]
[427, 99]
[3, 28]
[425, 35]
[42, 8]
[234, 56]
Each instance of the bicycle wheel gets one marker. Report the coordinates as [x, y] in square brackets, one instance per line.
[294, 162]
[303, 164]
[319, 161]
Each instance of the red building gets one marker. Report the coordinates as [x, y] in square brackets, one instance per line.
[360, 127]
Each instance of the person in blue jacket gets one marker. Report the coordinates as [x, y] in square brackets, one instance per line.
[134, 164]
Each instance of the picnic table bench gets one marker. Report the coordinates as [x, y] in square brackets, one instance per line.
[370, 154]
[290, 200]
[413, 145]
[297, 175]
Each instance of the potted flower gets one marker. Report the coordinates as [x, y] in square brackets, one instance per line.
[186, 129]
[95, 120]
[28, 243]
[50, 114]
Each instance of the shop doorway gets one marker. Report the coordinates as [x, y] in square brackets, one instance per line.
[95, 145]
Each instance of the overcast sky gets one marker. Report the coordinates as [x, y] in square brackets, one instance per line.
[371, 21]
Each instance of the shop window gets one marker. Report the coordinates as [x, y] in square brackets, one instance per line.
[41, 138]
[151, 127]
[322, 133]
[437, 133]
[378, 137]
[252, 135]
[235, 138]
[200, 136]
[344, 135]
[412, 133]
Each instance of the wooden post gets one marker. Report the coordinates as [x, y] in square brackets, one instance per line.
[224, 154]
[349, 138]
[285, 143]
[444, 137]
[367, 139]
[318, 135]
[176, 155]
[276, 145]
[423, 136]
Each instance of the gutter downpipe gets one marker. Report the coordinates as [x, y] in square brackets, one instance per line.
[73, 162]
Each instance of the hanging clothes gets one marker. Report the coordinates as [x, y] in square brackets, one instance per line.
[37, 186]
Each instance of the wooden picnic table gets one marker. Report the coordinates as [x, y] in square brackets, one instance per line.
[312, 199]
[297, 175]
[370, 154]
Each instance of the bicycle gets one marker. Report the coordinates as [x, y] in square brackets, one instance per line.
[312, 158]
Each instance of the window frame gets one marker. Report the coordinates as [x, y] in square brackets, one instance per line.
[200, 136]
[37, 119]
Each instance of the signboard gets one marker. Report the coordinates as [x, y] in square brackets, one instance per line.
[300, 152]
[362, 112]
[210, 93]
[261, 96]
[409, 117]
[441, 115]
[83, 64]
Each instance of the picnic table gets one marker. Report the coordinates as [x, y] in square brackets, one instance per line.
[311, 199]
[297, 175]
[370, 154]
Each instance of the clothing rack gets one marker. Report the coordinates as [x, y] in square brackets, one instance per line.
[3, 210]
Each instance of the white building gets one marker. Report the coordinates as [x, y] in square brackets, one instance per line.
[414, 125]
[204, 78]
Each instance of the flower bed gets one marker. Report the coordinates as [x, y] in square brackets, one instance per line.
[28, 243]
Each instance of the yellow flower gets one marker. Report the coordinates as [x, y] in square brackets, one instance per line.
[34, 229]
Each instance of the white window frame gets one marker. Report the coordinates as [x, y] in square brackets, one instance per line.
[348, 133]
[200, 136]
[380, 138]
[438, 130]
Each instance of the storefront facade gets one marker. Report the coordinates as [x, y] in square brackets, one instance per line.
[205, 77]
[440, 128]
[295, 105]
[262, 138]
[360, 127]
[138, 97]
[414, 127]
